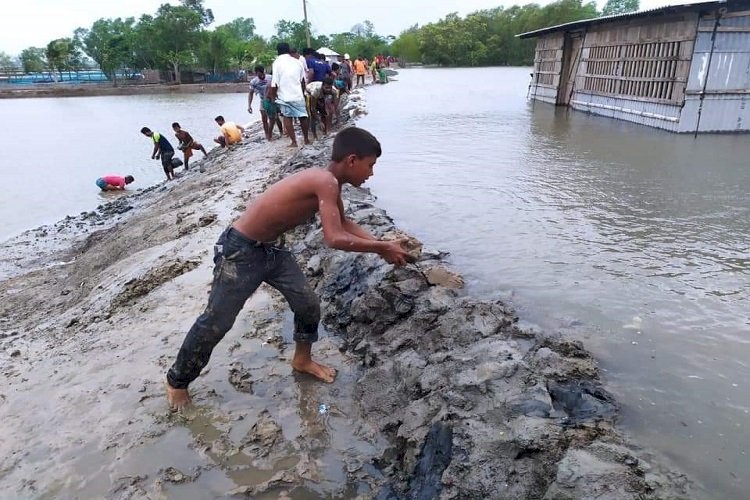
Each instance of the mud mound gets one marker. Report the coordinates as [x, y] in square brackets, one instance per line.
[473, 406]
[138, 287]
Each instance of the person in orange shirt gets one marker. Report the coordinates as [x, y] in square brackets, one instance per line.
[231, 133]
[360, 68]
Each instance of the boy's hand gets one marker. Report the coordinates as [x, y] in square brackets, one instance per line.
[250, 109]
[395, 253]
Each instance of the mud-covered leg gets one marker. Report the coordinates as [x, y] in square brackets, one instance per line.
[234, 282]
[289, 279]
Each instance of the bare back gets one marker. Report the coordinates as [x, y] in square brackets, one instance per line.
[289, 203]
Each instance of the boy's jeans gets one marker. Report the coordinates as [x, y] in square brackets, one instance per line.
[241, 265]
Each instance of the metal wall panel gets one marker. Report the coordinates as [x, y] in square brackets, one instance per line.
[727, 89]
[544, 94]
[664, 116]
[720, 114]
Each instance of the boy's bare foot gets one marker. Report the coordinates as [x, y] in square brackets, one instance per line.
[324, 373]
[178, 399]
[293, 145]
[307, 141]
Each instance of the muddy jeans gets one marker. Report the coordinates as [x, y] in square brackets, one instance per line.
[241, 265]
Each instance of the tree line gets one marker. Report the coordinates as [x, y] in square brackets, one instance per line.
[488, 37]
[177, 37]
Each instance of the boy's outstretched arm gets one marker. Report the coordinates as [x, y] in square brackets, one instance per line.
[155, 151]
[352, 227]
[336, 236]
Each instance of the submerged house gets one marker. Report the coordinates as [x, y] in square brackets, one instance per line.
[683, 68]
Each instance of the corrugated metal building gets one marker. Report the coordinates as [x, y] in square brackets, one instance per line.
[684, 68]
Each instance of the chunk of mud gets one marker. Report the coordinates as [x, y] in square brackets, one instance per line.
[437, 452]
[412, 245]
[240, 378]
[138, 287]
[128, 487]
[441, 276]
[172, 475]
[280, 479]
[601, 470]
[263, 435]
[206, 220]
[582, 401]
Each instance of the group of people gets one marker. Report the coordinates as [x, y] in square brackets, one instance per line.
[307, 89]
[303, 88]
[231, 133]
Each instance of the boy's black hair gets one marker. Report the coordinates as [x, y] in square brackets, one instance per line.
[145, 130]
[335, 66]
[175, 124]
[328, 80]
[129, 179]
[308, 51]
[282, 48]
[355, 141]
[260, 67]
[219, 118]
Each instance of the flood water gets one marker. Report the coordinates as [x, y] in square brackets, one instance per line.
[55, 149]
[634, 240]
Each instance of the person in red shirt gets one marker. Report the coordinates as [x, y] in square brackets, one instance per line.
[113, 182]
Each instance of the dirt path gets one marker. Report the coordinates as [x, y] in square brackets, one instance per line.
[438, 394]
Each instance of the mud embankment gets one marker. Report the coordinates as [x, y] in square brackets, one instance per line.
[438, 394]
[66, 90]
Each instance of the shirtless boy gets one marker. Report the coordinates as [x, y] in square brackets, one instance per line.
[247, 254]
[187, 143]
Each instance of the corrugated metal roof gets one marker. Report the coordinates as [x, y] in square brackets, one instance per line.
[659, 11]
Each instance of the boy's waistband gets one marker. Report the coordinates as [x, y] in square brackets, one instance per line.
[232, 234]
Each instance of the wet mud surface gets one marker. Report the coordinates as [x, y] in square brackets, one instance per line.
[438, 395]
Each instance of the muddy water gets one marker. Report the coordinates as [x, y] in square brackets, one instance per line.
[54, 149]
[635, 240]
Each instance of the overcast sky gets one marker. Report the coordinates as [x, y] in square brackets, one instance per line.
[28, 23]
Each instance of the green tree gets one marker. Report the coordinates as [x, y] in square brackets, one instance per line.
[295, 34]
[109, 42]
[33, 60]
[63, 54]
[215, 50]
[620, 7]
[488, 37]
[176, 32]
[207, 15]
[406, 46]
[242, 28]
[292, 32]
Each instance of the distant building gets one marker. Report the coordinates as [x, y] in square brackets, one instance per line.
[330, 55]
[683, 68]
